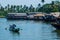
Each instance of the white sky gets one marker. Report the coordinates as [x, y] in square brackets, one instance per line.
[22, 2]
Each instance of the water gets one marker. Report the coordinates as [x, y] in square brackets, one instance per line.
[31, 30]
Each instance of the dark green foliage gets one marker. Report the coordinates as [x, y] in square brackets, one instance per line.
[42, 1]
[52, 7]
[52, 3]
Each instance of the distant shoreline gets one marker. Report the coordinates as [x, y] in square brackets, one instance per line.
[2, 16]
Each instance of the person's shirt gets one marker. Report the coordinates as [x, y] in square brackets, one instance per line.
[14, 25]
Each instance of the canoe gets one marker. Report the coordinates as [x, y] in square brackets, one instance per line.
[14, 30]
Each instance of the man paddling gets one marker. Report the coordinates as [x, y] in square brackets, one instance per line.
[12, 27]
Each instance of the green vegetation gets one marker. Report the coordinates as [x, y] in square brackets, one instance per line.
[54, 6]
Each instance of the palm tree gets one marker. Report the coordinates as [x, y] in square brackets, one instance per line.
[0, 6]
[17, 8]
[5, 8]
[31, 8]
[38, 7]
[52, 3]
[2, 9]
[43, 3]
[27, 9]
[24, 8]
[20, 8]
[8, 6]
[14, 8]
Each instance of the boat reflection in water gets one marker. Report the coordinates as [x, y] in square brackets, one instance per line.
[57, 34]
[56, 25]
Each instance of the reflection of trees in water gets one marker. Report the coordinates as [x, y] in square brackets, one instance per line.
[57, 34]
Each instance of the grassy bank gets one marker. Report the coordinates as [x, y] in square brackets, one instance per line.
[2, 16]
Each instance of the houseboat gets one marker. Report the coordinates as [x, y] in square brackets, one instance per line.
[39, 16]
[49, 17]
[16, 16]
[56, 14]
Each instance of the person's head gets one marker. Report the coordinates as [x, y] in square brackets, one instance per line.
[14, 25]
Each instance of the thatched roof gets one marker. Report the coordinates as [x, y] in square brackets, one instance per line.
[39, 15]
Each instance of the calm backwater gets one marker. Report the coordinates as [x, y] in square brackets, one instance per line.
[31, 30]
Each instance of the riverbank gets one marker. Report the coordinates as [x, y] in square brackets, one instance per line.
[33, 16]
[2, 16]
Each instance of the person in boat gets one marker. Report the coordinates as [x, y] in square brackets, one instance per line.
[12, 26]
